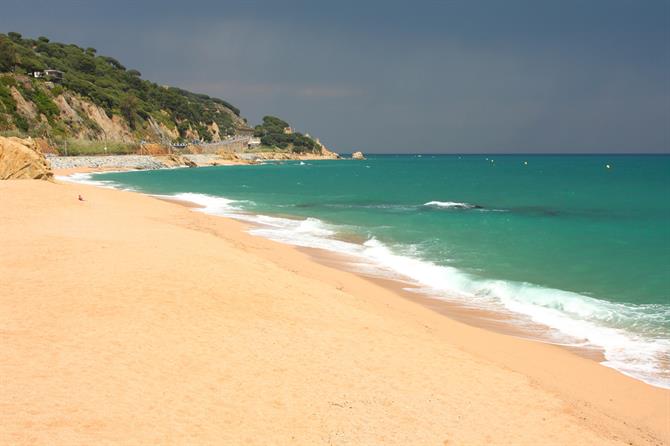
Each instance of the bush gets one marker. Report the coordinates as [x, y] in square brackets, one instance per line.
[21, 122]
[81, 147]
[7, 102]
[42, 101]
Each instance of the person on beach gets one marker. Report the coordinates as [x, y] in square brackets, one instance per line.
[80, 197]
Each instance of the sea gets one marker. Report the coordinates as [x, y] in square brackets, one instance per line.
[578, 245]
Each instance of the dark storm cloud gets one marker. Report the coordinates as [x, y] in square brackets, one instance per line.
[486, 76]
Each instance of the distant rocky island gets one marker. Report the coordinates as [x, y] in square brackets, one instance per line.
[71, 101]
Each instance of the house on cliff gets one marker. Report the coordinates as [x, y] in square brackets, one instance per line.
[52, 75]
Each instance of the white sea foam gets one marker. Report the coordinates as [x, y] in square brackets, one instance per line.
[449, 205]
[87, 178]
[210, 203]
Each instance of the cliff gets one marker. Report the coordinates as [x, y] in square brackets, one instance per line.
[63, 91]
[69, 95]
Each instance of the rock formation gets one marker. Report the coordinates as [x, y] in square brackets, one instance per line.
[175, 160]
[154, 149]
[20, 159]
[357, 156]
[328, 154]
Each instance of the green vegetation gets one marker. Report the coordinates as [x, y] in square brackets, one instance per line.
[43, 104]
[8, 108]
[107, 83]
[78, 147]
[277, 133]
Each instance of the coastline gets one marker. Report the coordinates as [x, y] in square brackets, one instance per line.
[471, 373]
[66, 165]
[490, 320]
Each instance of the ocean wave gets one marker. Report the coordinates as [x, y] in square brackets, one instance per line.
[87, 178]
[451, 205]
[209, 203]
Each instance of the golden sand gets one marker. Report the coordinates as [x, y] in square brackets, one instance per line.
[130, 320]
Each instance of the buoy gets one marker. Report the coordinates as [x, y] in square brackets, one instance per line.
[525, 163]
[608, 166]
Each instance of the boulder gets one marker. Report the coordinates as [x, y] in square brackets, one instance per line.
[357, 156]
[20, 159]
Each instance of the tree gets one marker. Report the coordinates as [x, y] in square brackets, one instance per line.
[129, 108]
[113, 62]
[43, 39]
[8, 57]
[274, 122]
[83, 63]
[16, 37]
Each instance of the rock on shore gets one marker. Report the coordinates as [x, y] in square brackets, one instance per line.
[357, 156]
[21, 159]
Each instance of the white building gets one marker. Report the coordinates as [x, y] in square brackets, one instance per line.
[254, 142]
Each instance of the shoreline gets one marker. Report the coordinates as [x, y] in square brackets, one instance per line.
[101, 163]
[499, 321]
[490, 320]
[504, 380]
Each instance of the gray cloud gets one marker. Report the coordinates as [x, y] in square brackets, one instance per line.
[519, 76]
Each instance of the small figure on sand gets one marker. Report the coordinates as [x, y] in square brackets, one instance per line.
[80, 197]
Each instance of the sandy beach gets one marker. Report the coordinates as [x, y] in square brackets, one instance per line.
[125, 319]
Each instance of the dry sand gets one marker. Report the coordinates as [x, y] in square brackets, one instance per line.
[130, 320]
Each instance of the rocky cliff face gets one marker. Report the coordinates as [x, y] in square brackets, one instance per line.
[21, 159]
[30, 106]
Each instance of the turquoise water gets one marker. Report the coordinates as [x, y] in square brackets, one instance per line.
[563, 240]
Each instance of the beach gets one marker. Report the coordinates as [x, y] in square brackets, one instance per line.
[131, 320]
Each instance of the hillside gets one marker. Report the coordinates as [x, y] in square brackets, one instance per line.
[65, 93]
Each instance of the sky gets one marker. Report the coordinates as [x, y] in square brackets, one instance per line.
[478, 76]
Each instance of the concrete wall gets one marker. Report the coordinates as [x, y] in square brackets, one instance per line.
[233, 145]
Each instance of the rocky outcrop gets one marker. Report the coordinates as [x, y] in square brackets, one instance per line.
[328, 154]
[25, 108]
[113, 129]
[357, 156]
[175, 160]
[228, 156]
[20, 159]
[154, 149]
